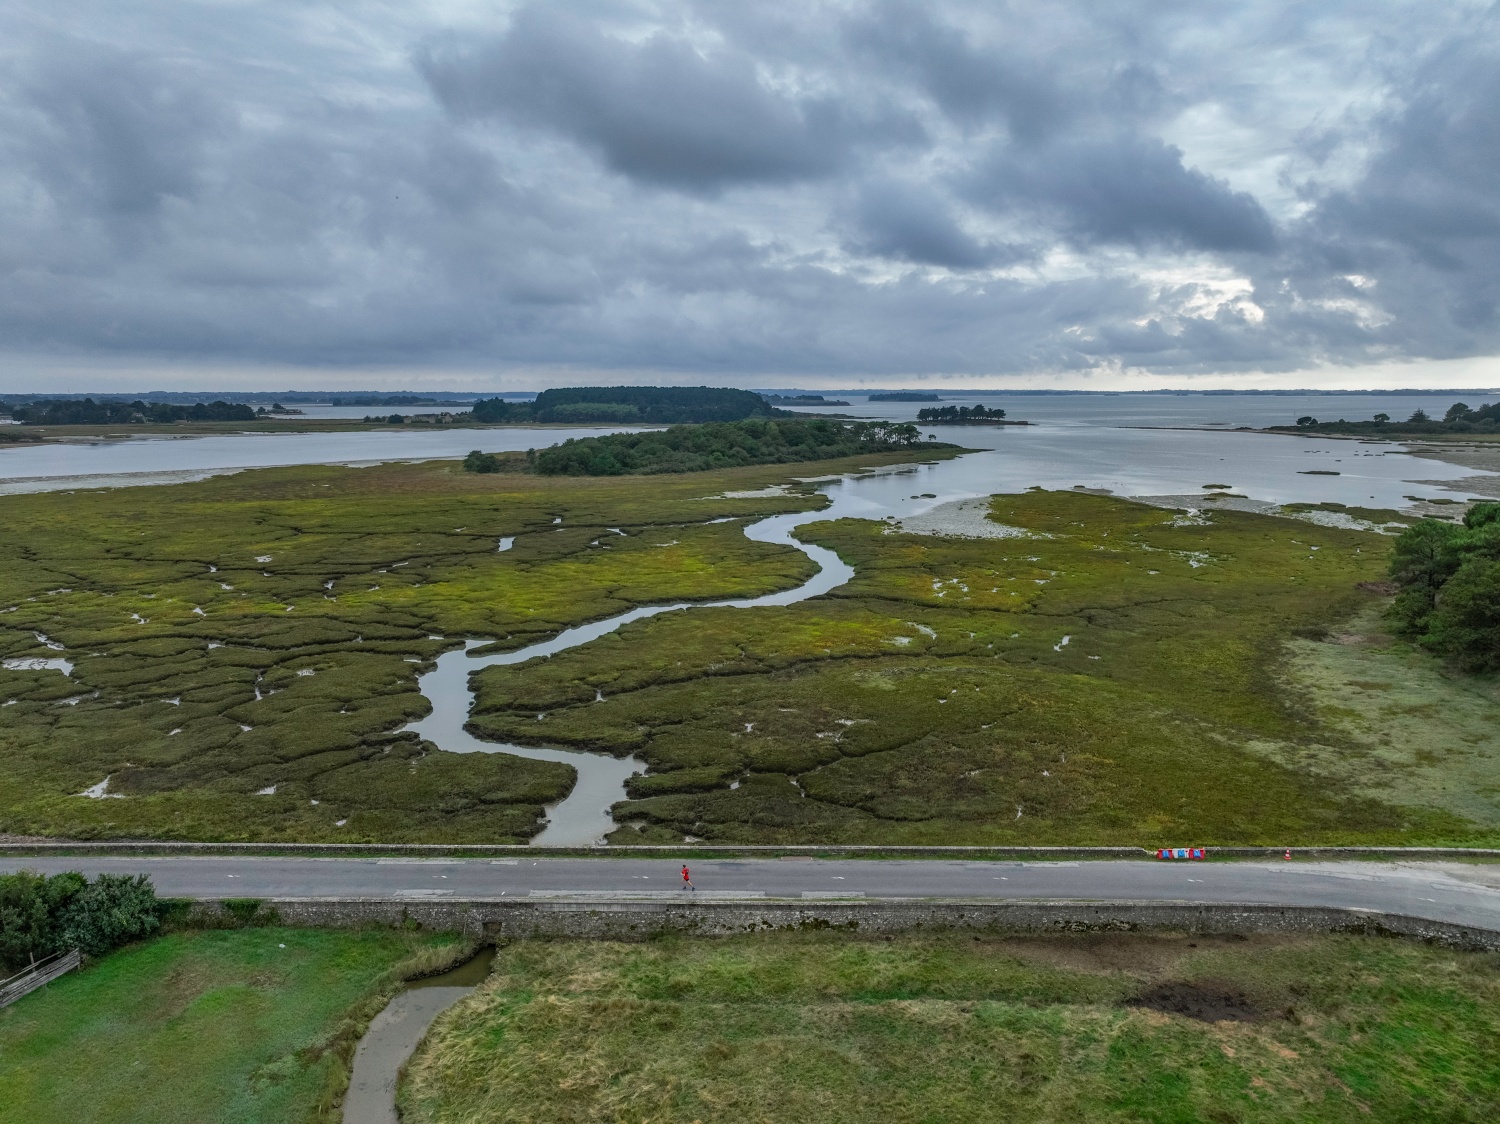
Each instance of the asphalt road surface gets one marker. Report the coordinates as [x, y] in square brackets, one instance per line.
[1463, 893]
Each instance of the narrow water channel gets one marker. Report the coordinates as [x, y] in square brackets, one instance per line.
[396, 1032]
[582, 818]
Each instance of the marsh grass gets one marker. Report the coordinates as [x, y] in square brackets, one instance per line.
[239, 1025]
[246, 648]
[960, 1028]
[934, 699]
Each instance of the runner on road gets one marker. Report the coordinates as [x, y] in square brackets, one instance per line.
[687, 881]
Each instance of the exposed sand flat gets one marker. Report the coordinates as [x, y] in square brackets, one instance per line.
[1479, 485]
[1206, 504]
[960, 519]
[1486, 457]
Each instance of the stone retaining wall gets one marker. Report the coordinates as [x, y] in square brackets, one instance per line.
[638, 920]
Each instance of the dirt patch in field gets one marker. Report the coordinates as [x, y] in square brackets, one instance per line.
[1207, 1002]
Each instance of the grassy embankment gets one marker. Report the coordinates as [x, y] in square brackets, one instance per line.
[245, 1025]
[267, 629]
[955, 1028]
[1117, 674]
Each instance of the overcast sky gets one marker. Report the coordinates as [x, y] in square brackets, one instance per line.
[459, 194]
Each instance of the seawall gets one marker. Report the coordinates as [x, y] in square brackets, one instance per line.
[514, 919]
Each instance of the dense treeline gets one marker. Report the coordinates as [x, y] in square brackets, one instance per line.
[622, 405]
[111, 412]
[696, 448]
[1460, 418]
[1450, 587]
[960, 415]
[41, 915]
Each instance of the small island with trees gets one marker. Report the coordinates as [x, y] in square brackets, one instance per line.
[625, 405]
[715, 445]
[964, 415]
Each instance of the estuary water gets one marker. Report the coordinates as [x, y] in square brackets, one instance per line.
[125, 461]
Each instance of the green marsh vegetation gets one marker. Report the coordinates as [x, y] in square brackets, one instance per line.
[245, 649]
[243, 1025]
[1113, 674]
[952, 1027]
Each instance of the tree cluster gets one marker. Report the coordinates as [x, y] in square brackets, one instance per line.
[959, 415]
[41, 915]
[1459, 418]
[113, 412]
[696, 448]
[1449, 577]
[625, 405]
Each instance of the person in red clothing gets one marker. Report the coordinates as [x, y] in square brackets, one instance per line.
[687, 880]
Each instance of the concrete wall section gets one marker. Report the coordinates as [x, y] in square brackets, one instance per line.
[515, 919]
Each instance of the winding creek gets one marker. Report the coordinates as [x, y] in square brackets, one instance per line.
[930, 495]
[582, 818]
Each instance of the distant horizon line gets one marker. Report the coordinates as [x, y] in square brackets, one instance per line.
[330, 397]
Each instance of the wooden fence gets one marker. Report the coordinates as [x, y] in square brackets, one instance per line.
[42, 972]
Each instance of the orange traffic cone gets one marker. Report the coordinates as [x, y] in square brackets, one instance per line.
[1288, 855]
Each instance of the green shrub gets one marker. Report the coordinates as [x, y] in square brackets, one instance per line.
[41, 915]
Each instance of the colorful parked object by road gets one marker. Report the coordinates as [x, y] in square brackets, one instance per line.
[1182, 853]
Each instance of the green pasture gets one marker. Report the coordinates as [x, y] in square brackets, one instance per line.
[1073, 1029]
[237, 1027]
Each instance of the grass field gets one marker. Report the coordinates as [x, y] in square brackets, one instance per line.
[237, 1027]
[264, 631]
[1076, 1029]
[1115, 675]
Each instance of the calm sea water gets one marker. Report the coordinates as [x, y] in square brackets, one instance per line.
[1134, 444]
[1227, 410]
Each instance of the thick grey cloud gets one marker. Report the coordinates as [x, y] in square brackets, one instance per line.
[749, 191]
[657, 110]
[1127, 189]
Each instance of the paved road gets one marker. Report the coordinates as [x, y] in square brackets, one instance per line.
[1466, 894]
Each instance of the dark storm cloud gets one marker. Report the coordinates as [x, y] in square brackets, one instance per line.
[115, 132]
[913, 223]
[1127, 189]
[656, 110]
[748, 190]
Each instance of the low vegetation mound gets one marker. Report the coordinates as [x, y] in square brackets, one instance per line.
[1082, 1029]
[1459, 419]
[1449, 576]
[698, 448]
[114, 412]
[904, 396]
[622, 405]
